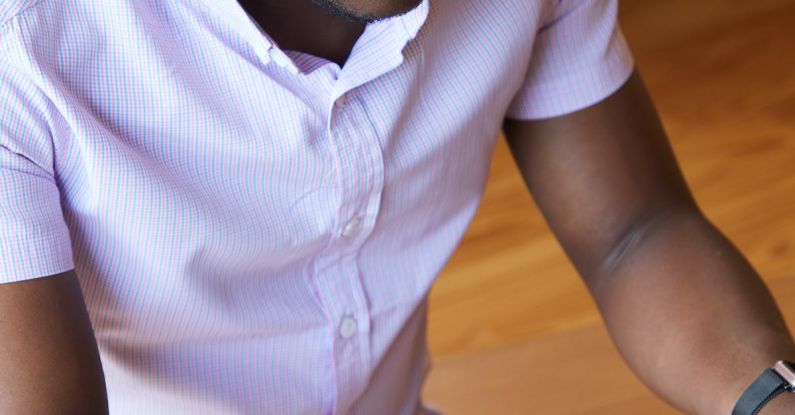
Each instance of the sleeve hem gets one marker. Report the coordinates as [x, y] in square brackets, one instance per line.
[601, 80]
[34, 259]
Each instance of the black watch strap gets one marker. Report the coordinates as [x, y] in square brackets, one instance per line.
[766, 387]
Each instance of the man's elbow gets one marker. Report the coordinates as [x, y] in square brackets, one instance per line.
[633, 238]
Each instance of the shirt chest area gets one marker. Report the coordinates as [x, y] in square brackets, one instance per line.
[287, 161]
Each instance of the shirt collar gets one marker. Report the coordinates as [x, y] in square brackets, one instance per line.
[236, 17]
[233, 16]
[415, 19]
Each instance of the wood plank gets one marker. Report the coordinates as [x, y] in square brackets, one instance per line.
[509, 317]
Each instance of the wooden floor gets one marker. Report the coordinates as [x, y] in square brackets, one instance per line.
[510, 319]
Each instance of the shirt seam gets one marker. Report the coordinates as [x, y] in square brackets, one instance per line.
[11, 64]
[554, 18]
[7, 22]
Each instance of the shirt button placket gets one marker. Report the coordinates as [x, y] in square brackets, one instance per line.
[349, 306]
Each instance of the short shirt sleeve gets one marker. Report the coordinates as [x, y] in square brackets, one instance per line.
[579, 58]
[34, 238]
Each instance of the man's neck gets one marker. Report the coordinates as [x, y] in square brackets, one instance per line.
[303, 26]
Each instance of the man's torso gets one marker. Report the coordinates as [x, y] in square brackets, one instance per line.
[251, 238]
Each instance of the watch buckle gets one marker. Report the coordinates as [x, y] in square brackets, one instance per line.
[787, 373]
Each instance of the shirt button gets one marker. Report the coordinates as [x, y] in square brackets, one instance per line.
[348, 328]
[351, 227]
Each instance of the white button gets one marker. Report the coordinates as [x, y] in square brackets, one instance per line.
[348, 328]
[351, 227]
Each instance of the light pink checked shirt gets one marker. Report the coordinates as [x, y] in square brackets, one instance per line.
[256, 230]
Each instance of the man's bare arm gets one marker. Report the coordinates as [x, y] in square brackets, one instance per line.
[686, 310]
[49, 361]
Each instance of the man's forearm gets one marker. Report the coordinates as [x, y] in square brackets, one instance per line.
[689, 314]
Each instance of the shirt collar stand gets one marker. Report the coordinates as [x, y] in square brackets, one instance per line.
[235, 16]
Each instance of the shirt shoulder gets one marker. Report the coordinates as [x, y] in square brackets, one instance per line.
[24, 20]
[27, 19]
[33, 32]
[10, 9]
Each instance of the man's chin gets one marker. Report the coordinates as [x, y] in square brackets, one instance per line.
[395, 8]
[366, 11]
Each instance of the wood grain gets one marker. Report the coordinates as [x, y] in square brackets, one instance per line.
[512, 328]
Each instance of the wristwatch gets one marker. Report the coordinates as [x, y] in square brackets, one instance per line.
[771, 383]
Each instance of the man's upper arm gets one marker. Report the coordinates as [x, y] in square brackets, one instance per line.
[49, 362]
[600, 173]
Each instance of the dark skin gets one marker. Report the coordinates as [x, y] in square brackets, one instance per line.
[684, 307]
[49, 361]
[333, 34]
[279, 17]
